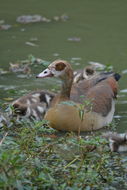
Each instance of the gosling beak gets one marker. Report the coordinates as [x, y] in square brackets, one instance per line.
[44, 74]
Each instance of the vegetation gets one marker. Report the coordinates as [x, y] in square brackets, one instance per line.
[35, 156]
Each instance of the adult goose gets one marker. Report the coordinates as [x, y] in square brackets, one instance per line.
[35, 104]
[100, 92]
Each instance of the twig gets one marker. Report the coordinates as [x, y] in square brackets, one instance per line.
[70, 163]
[3, 138]
[45, 148]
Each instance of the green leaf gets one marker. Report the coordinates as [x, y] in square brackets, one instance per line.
[19, 185]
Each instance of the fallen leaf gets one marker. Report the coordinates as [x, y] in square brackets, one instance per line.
[8, 99]
[31, 44]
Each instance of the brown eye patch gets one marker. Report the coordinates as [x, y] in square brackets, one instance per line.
[60, 66]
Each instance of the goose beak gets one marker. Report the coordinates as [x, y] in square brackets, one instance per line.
[44, 74]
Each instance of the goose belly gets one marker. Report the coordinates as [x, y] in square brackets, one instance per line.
[66, 118]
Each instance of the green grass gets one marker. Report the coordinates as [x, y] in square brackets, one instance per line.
[35, 156]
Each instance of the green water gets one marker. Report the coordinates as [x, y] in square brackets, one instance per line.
[100, 25]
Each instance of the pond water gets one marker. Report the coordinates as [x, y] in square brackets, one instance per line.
[93, 30]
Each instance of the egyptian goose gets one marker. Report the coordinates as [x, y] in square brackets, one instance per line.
[35, 104]
[117, 142]
[87, 73]
[64, 114]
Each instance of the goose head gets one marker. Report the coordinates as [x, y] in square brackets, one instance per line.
[59, 68]
[62, 70]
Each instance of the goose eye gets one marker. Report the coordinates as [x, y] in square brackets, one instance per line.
[60, 66]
